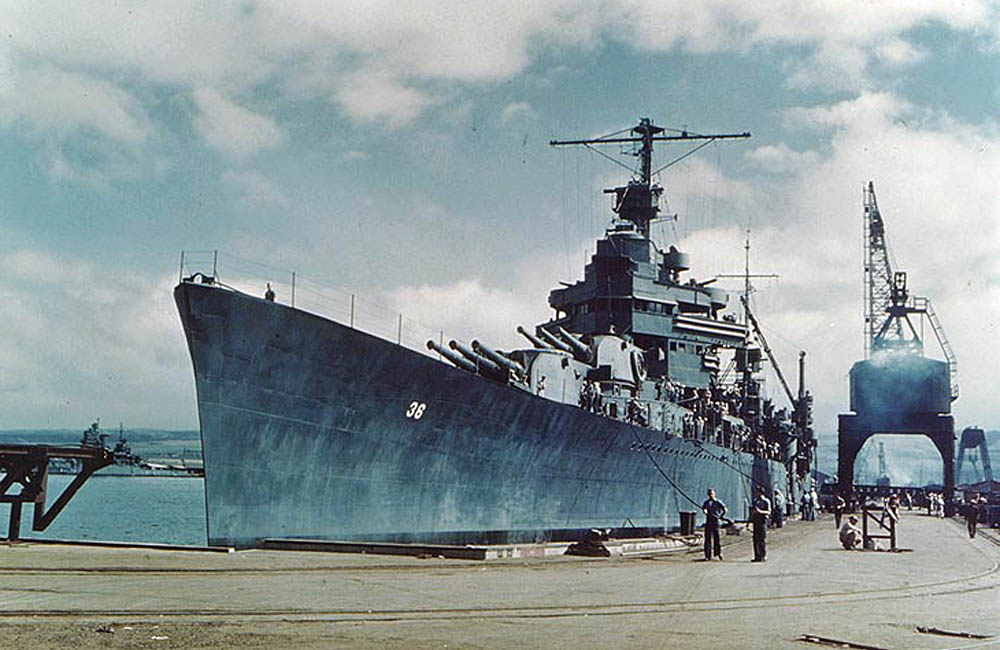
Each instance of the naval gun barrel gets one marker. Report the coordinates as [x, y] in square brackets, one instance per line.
[580, 351]
[456, 359]
[553, 341]
[497, 358]
[478, 360]
[535, 341]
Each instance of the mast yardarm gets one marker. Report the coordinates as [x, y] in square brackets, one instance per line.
[639, 201]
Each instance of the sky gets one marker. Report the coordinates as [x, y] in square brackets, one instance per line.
[400, 153]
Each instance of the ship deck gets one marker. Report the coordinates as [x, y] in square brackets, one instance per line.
[81, 596]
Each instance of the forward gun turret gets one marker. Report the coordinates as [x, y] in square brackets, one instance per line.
[456, 359]
[535, 341]
[498, 358]
[553, 341]
[479, 360]
[580, 350]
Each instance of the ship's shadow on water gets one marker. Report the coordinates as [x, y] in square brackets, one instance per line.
[125, 509]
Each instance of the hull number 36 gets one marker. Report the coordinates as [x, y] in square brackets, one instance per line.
[415, 410]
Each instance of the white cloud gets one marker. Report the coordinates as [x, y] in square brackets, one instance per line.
[254, 190]
[933, 177]
[517, 111]
[838, 41]
[385, 62]
[31, 265]
[781, 158]
[897, 52]
[231, 129]
[872, 111]
[466, 310]
[55, 101]
[82, 342]
[369, 96]
[86, 129]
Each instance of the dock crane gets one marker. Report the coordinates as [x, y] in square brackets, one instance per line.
[895, 389]
[888, 304]
[974, 438]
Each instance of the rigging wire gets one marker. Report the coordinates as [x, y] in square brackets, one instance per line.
[682, 157]
[649, 455]
[615, 161]
[716, 181]
[627, 129]
[748, 480]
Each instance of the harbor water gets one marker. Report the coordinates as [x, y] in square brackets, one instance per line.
[158, 509]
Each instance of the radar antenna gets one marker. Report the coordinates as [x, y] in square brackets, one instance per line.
[638, 202]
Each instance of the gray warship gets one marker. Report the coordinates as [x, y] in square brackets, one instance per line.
[639, 394]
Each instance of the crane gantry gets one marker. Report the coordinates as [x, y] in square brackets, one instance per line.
[888, 303]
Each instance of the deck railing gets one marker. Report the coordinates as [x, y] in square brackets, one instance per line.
[345, 307]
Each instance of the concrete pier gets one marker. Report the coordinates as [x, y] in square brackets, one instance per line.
[54, 596]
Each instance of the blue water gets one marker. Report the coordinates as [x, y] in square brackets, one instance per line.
[124, 509]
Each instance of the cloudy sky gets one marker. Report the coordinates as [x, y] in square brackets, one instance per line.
[400, 152]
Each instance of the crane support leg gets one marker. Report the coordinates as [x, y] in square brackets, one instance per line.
[854, 430]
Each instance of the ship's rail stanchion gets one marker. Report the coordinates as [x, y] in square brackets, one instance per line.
[27, 467]
[883, 519]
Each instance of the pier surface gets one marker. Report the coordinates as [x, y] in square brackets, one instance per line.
[56, 596]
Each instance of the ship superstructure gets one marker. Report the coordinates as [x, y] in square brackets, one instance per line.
[640, 393]
[635, 340]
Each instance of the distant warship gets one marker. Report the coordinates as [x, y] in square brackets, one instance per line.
[642, 392]
[126, 463]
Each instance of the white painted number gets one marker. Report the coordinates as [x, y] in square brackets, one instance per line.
[415, 410]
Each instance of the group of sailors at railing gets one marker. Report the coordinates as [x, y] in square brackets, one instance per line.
[705, 416]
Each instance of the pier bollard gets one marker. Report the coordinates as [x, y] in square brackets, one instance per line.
[687, 523]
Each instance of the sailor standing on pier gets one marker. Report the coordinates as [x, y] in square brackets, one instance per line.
[714, 511]
[778, 510]
[760, 512]
[971, 516]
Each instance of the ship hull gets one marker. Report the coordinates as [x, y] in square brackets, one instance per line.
[310, 429]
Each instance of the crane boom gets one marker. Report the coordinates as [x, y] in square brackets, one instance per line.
[878, 273]
[767, 350]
